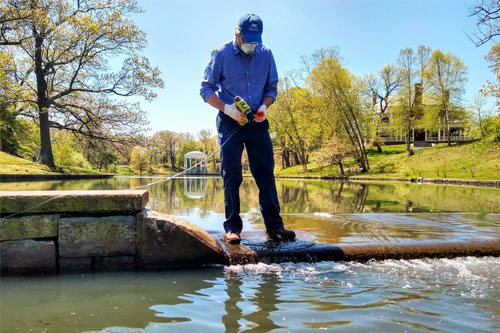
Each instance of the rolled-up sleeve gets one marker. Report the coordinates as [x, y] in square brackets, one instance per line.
[271, 87]
[211, 77]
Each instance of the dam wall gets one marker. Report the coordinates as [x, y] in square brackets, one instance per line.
[51, 232]
[47, 232]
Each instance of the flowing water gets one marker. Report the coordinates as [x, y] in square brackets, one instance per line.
[446, 295]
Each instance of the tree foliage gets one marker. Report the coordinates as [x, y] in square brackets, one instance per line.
[167, 144]
[340, 94]
[209, 144]
[407, 112]
[74, 56]
[185, 147]
[295, 121]
[334, 151]
[140, 159]
[446, 75]
[381, 88]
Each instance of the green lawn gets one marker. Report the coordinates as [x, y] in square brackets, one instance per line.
[465, 161]
[10, 164]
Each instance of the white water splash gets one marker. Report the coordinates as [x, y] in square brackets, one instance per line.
[325, 215]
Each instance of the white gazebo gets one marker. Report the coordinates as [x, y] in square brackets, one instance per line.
[192, 158]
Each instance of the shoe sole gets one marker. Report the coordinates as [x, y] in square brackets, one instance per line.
[232, 241]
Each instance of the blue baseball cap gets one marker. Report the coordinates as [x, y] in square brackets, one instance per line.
[251, 28]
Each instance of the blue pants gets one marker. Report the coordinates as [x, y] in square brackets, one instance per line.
[255, 137]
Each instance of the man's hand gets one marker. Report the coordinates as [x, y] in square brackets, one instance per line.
[261, 114]
[233, 112]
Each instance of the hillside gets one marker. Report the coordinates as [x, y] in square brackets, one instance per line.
[466, 161]
[10, 164]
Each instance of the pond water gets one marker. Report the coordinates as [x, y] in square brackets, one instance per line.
[448, 295]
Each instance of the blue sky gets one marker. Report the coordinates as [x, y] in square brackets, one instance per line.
[182, 33]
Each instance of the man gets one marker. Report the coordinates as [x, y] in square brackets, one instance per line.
[246, 68]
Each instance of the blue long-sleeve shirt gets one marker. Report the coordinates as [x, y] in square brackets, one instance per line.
[230, 73]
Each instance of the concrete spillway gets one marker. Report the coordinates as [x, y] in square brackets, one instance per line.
[65, 231]
[304, 251]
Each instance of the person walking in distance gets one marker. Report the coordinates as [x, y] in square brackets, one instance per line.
[245, 67]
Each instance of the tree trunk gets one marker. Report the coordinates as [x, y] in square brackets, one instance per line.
[286, 153]
[379, 149]
[408, 142]
[46, 154]
[341, 168]
[295, 158]
[303, 161]
[172, 161]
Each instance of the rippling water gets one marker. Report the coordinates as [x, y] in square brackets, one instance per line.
[448, 295]
[459, 295]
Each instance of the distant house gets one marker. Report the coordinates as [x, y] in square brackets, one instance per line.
[421, 137]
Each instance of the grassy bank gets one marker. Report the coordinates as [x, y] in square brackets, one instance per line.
[477, 160]
[10, 164]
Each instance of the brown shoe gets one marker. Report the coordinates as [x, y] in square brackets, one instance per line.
[281, 235]
[232, 237]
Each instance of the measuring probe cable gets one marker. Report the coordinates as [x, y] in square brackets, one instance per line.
[233, 132]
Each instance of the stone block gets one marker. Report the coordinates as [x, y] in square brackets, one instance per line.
[117, 263]
[11, 229]
[32, 226]
[165, 240]
[28, 257]
[90, 202]
[69, 265]
[40, 226]
[97, 236]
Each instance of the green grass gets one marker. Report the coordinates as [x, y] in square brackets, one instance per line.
[465, 161]
[10, 164]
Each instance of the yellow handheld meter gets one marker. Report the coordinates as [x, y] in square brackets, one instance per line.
[245, 109]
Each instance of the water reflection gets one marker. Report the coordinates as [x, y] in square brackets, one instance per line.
[325, 211]
[296, 196]
[394, 295]
[195, 188]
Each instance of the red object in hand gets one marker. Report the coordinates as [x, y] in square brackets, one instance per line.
[260, 115]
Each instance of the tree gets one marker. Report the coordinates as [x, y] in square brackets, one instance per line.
[487, 13]
[139, 159]
[339, 94]
[185, 147]
[423, 55]
[492, 129]
[67, 47]
[168, 144]
[12, 14]
[294, 119]
[493, 88]
[447, 75]
[208, 144]
[480, 114]
[100, 154]
[381, 89]
[333, 151]
[9, 95]
[406, 112]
